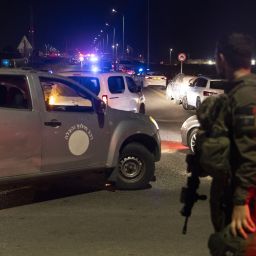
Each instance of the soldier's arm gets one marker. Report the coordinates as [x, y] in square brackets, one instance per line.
[244, 136]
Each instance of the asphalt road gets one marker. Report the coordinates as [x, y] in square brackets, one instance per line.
[168, 115]
[83, 217]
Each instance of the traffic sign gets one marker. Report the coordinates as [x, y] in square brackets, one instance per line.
[182, 57]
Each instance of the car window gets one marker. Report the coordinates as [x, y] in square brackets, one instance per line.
[200, 82]
[131, 84]
[91, 83]
[116, 84]
[14, 92]
[217, 85]
[61, 95]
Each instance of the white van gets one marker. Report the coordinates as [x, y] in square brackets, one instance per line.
[116, 89]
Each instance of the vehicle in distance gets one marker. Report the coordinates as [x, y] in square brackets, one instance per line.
[201, 88]
[188, 132]
[154, 79]
[52, 125]
[118, 90]
[178, 86]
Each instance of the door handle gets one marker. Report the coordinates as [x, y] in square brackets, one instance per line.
[53, 123]
[114, 98]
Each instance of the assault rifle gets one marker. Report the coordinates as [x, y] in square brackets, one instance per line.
[189, 193]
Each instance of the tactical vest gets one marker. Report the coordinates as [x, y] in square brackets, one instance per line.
[212, 147]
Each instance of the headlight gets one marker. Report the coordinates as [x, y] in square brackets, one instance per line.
[154, 122]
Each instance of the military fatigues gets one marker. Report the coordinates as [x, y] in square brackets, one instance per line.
[243, 138]
[241, 122]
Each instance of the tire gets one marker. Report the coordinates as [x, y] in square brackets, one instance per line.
[135, 168]
[142, 109]
[198, 103]
[192, 139]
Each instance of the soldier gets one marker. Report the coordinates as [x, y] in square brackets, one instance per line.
[233, 217]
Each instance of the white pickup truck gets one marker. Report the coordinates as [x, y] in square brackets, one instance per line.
[51, 125]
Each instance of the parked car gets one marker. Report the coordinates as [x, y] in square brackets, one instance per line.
[51, 125]
[188, 132]
[155, 79]
[118, 90]
[200, 89]
[177, 87]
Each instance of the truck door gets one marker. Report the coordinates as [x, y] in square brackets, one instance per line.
[20, 141]
[117, 93]
[74, 135]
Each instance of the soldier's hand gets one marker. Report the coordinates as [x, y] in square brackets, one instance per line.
[242, 222]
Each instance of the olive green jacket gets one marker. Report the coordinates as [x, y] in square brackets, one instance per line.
[242, 95]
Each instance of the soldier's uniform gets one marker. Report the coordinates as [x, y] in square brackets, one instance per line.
[241, 121]
[243, 138]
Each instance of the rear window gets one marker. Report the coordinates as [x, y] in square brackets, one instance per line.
[91, 83]
[14, 92]
[217, 85]
[201, 82]
[116, 84]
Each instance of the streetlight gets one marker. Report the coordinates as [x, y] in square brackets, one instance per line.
[117, 51]
[171, 55]
[114, 34]
[148, 50]
[114, 11]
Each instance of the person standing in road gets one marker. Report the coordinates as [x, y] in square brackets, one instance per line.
[232, 212]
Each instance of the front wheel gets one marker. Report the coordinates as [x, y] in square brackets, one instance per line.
[192, 139]
[136, 167]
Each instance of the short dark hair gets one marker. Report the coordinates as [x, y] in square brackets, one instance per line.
[237, 49]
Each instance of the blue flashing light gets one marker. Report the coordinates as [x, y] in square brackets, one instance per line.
[141, 69]
[95, 69]
[94, 59]
[5, 63]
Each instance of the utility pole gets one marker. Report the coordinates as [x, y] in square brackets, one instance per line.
[171, 55]
[148, 40]
[31, 28]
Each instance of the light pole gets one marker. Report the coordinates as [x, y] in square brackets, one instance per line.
[114, 11]
[171, 55]
[148, 40]
[117, 51]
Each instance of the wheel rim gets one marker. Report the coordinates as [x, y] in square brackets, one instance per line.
[131, 167]
[193, 142]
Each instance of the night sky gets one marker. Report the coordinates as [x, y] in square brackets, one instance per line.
[188, 26]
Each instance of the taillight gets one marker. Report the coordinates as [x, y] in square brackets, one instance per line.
[105, 99]
[207, 93]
